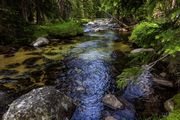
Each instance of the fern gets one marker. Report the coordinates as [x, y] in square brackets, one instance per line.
[141, 58]
[128, 75]
[170, 40]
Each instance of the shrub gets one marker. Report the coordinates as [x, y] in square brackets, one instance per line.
[162, 37]
[170, 40]
[144, 34]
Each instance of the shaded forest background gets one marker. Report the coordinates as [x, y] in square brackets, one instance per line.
[18, 16]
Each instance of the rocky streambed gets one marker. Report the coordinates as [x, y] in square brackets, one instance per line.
[83, 72]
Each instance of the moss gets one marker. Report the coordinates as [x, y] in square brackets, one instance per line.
[175, 114]
[59, 30]
[176, 100]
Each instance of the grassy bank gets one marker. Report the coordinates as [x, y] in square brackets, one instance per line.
[58, 30]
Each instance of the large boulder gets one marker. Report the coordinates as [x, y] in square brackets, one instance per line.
[44, 103]
[41, 41]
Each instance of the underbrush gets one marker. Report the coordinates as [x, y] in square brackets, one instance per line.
[157, 35]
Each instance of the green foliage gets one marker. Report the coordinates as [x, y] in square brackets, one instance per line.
[150, 34]
[141, 58]
[170, 39]
[110, 5]
[128, 74]
[133, 9]
[85, 8]
[174, 115]
[153, 34]
[59, 30]
[144, 34]
[166, 9]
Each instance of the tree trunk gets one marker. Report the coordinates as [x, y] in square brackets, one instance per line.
[173, 4]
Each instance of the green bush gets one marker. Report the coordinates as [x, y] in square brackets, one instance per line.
[144, 34]
[170, 40]
[157, 35]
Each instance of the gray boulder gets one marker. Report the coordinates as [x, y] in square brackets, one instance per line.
[41, 41]
[112, 102]
[44, 103]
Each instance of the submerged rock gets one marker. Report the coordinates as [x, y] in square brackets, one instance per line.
[40, 42]
[110, 118]
[8, 72]
[112, 102]
[44, 103]
[31, 62]
[142, 88]
[13, 65]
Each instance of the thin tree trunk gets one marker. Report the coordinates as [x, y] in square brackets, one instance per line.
[38, 14]
[173, 4]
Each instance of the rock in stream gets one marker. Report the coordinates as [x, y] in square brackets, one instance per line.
[44, 103]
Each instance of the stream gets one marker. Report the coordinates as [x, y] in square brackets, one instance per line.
[90, 74]
[85, 68]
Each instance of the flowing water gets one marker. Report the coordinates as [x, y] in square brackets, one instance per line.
[90, 74]
[91, 63]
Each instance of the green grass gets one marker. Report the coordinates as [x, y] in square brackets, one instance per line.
[58, 30]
